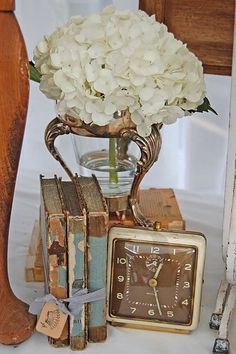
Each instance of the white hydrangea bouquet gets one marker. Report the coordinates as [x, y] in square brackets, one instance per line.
[115, 60]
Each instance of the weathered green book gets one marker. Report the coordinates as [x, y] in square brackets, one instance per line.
[53, 229]
[97, 228]
[77, 258]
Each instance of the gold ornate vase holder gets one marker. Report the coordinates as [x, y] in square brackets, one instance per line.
[121, 127]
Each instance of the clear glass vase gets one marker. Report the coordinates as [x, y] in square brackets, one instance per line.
[115, 153]
[112, 160]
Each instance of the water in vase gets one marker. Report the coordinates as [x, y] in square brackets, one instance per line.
[113, 161]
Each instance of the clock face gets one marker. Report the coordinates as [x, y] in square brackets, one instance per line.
[153, 281]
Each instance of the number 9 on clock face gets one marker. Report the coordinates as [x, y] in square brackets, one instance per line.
[155, 278]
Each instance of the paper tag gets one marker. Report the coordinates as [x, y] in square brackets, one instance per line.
[51, 321]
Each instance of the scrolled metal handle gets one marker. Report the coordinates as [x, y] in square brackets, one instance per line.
[54, 129]
[149, 147]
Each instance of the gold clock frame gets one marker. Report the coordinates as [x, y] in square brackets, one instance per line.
[182, 238]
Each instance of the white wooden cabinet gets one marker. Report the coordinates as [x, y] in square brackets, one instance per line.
[226, 300]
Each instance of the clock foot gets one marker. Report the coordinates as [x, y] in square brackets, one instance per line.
[215, 321]
[221, 346]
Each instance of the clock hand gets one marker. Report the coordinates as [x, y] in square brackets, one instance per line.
[153, 281]
[157, 301]
[158, 270]
[153, 284]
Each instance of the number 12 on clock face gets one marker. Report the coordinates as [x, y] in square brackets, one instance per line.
[155, 278]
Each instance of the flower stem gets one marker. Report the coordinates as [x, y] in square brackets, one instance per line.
[113, 175]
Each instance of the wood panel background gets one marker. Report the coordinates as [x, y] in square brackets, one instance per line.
[206, 26]
[156, 7]
[7, 5]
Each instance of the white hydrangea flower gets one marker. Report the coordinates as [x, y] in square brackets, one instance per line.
[144, 124]
[105, 83]
[63, 82]
[115, 60]
[168, 115]
[101, 118]
[85, 116]
[48, 87]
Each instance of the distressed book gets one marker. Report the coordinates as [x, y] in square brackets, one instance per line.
[53, 230]
[77, 258]
[97, 227]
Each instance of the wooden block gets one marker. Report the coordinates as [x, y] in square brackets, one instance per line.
[34, 262]
[34, 239]
[157, 205]
[29, 269]
[161, 205]
[38, 274]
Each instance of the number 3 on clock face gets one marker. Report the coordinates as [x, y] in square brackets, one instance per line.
[155, 278]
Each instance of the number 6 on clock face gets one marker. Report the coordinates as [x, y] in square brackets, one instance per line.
[155, 278]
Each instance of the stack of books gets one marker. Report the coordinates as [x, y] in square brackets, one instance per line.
[74, 225]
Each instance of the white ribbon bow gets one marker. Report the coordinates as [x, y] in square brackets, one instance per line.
[75, 302]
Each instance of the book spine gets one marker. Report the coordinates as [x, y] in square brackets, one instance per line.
[57, 267]
[97, 260]
[76, 234]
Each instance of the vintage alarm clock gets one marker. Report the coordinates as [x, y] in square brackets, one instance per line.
[155, 278]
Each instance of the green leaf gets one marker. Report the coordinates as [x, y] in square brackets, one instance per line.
[204, 107]
[35, 75]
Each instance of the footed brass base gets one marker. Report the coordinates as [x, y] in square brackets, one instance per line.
[117, 203]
